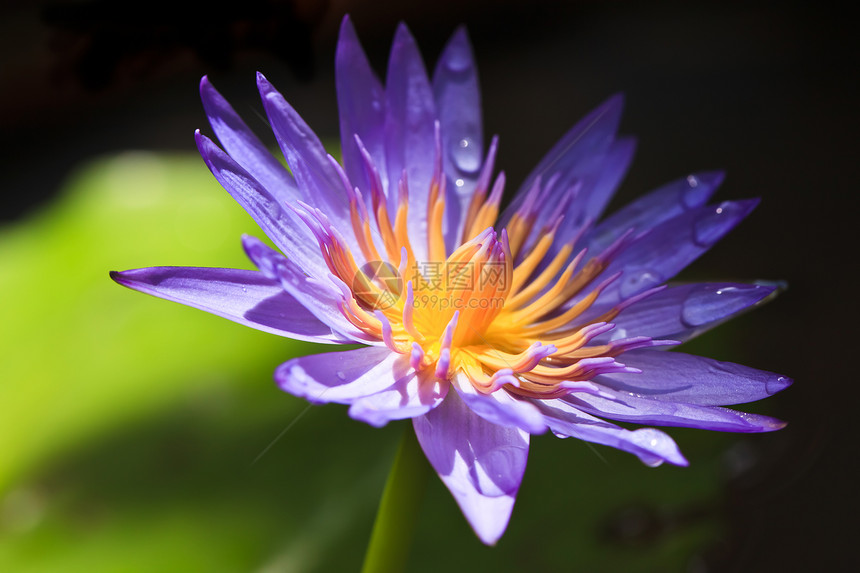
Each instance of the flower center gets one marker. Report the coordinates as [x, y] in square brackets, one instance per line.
[474, 311]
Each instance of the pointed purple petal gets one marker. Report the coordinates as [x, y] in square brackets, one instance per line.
[339, 377]
[246, 297]
[596, 178]
[651, 446]
[685, 311]
[361, 103]
[501, 408]
[660, 205]
[285, 229]
[321, 299]
[593, 132]
[315, 175]
[612, 171]
[458, 104]
[588, 139]
[412, 394]
[663, 251]
[245, 147]
[482, 464]
[678, 377]
[409, 133]
[628, 407]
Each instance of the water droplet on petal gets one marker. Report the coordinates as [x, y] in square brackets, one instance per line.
[698, 188]
[493, 470]
[635, 281]
[341, 375]
[656, 442]
[695, 193]
[713, 225]
[466, 156]
[458, 61]
[776, 384]
[618, 333]
[459, 182]
[702, 307]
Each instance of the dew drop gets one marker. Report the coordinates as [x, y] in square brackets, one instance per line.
[459, 182]
[635, 281]
[341, 375]
[713, 225]
[493, 477]
[618, 333]
[702, 307]
[775, 384]
[695, 192]
[466, 156]
[648, 438]
[458, 61]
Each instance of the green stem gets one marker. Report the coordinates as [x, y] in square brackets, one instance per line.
[392, 534]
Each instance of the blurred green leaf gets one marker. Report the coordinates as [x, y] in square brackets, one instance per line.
[81, 353]
[123, 417]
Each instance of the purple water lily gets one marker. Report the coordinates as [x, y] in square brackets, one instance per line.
[482, 326]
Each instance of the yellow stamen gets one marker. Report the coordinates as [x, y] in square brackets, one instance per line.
[544, 277]
[435, 238]
[473, 313]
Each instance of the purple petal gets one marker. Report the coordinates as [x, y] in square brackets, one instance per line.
[628, 407]
[307, 158]
[409, 133]
[651, 446]
[612, 171]
[658, 206]
[361, 103]
[501, 408]
[245, 147]
[678, 377]
[412, 394]
[481, 463]
[246, 297]
[458, 104]
[663, 251]
[340, 377]
[596, 178]
[285, 229]
[588, 139]
[682, 312]
[321, 299]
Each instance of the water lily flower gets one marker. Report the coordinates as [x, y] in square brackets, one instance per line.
[483, 325]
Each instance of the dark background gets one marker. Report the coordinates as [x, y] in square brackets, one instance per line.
[766, 91]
